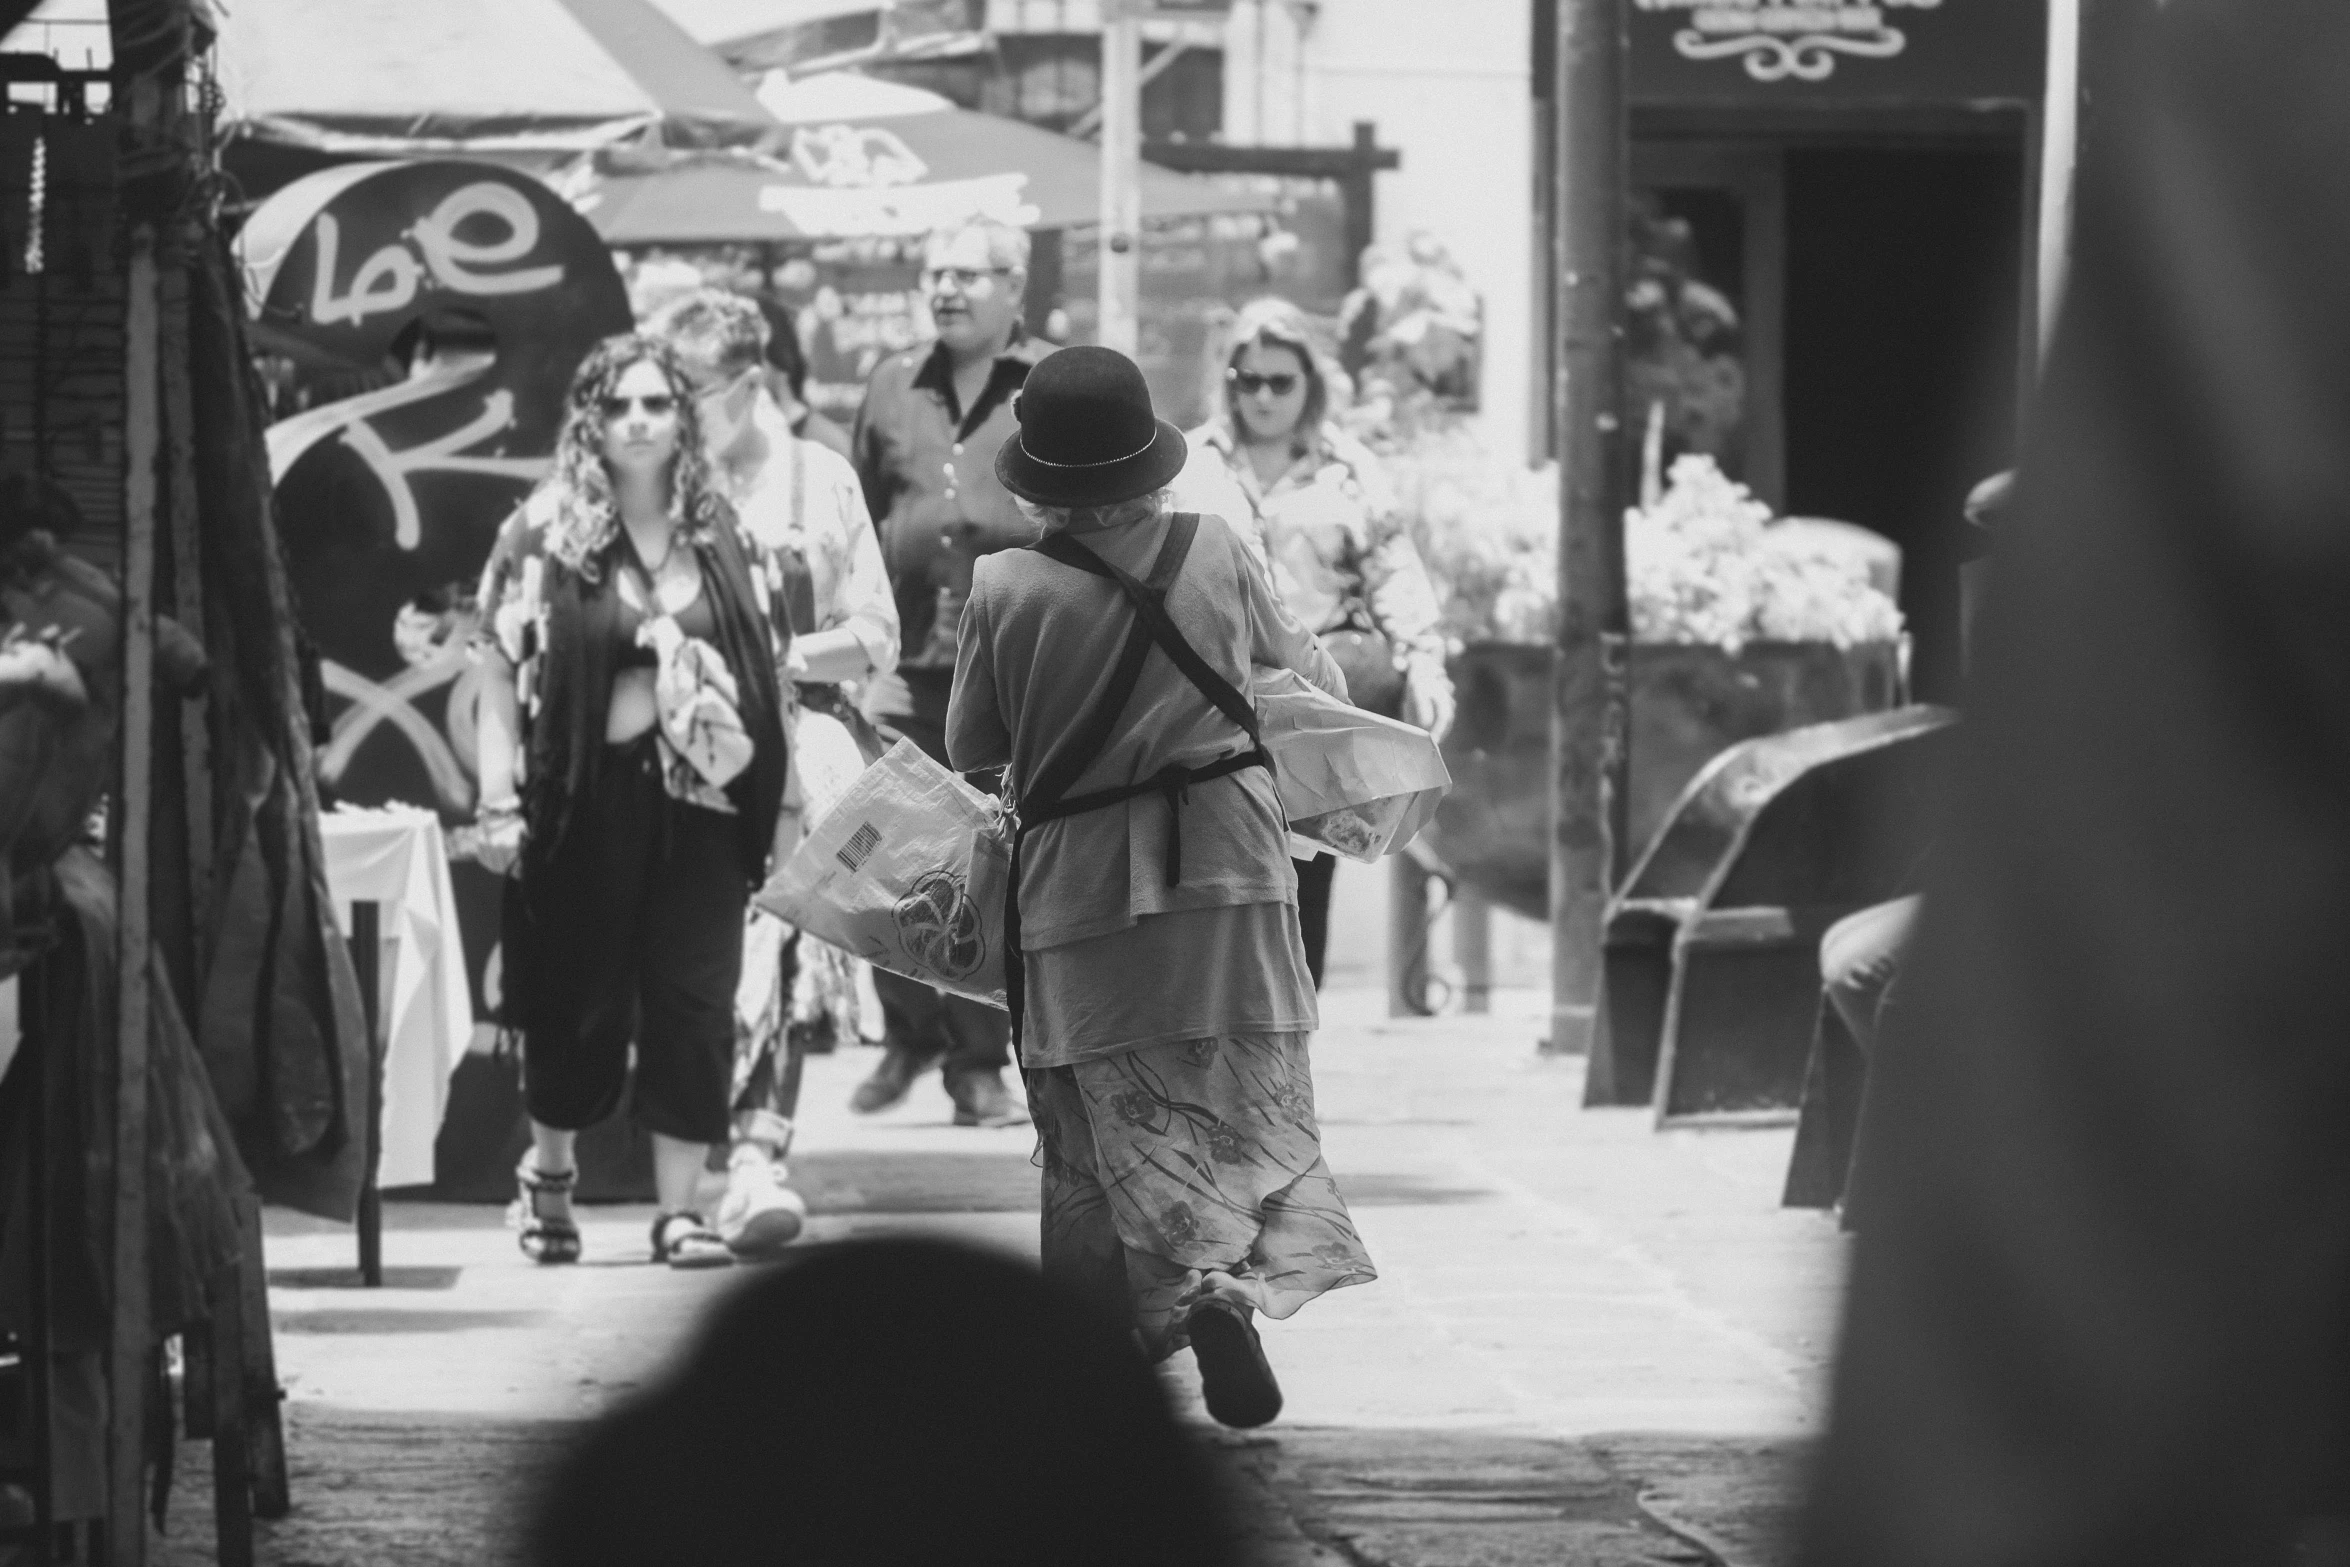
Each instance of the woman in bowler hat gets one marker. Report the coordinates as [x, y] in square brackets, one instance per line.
[1163, 1002]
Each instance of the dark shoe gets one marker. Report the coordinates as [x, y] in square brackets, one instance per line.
[889, 1082]
[1234, 1377]
[981, 1099]
[682, 1240]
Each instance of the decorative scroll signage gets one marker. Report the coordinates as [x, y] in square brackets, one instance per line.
[1916, 52]
[1795, 38]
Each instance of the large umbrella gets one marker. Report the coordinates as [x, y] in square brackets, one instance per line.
[864, 157]
[394, 77]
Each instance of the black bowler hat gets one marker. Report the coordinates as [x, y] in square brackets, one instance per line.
[1087, 434]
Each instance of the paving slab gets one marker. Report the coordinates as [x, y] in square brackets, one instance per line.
[1590, 1342]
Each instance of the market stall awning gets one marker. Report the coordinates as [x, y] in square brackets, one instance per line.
[719, 22]
[864, 157]
[393, 77]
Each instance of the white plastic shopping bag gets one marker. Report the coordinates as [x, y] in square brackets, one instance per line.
[1351, 781]
[908, 872]
[825, 760]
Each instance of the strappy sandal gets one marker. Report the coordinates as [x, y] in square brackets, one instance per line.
[682, 1240]
[543, 1240]
[1236, 1381]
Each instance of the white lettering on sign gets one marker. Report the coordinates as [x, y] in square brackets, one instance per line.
[444, 454]
[855, 157]
[454, 260]
[387, 281]
[1781, 40]
[909, 209]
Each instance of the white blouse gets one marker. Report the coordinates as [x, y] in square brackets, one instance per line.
[806, 498]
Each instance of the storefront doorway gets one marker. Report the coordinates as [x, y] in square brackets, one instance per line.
[1831, 222]
[1903, 305]
[1837, 323]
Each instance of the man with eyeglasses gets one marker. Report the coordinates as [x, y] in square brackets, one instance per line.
[804, 503]
[924, 446]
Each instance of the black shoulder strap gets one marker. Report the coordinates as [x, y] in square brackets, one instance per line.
[1150, 607]
[1092, 737]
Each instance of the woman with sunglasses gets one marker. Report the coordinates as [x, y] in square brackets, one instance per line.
[632, 765]
[1316, 505]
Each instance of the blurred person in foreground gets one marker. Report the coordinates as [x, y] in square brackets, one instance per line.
[925, 445]
[632, 756]
[802, 503]
[2100, 1300]
[1157, 973]
[1862, 953]
[1316, 506]
[885, 1403]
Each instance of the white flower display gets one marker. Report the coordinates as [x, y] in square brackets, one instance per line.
[1488, 531]
[1705, 565]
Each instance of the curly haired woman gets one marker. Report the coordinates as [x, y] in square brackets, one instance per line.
[1317, 507]
[632, 737]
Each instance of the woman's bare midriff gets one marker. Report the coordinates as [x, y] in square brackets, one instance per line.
[632, 710]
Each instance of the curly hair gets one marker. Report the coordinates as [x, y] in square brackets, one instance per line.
[730, 327]
[586, 517]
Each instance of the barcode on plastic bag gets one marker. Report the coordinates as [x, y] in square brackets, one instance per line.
[860, 846]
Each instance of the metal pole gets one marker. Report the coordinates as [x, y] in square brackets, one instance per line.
[1407, 937]
[1588, 718]
[2059, 137]
[1472, 949]
[1121, 203]
[126, 1518]
[367, 966]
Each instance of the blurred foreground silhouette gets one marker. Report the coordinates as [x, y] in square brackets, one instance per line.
[2100, 1305]
[889, 1402]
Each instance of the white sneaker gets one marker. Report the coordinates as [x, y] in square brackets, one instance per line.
[759, 1216]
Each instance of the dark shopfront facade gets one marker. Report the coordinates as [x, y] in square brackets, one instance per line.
[1834, 217]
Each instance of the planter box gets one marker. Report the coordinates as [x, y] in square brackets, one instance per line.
[1689, 703]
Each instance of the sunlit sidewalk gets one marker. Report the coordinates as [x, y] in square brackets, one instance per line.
[1576, 1316]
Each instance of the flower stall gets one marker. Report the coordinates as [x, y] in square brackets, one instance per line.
[1742, 625]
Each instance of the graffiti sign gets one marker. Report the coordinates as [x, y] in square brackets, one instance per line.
[450, 302]
[433, 313]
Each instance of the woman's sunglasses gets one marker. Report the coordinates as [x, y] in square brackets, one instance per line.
[658, 404]
[1279, 383]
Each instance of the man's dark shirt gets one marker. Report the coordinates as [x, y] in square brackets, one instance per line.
[928, 468]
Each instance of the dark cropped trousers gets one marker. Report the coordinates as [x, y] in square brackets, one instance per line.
[631, 934]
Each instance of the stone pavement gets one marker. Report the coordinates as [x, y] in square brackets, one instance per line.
[1590, 1342]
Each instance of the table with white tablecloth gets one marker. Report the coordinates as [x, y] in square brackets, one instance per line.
[396, 858]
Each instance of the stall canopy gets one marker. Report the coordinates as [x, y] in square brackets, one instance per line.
[815, 35]
[720, 22]
[392, 77]
[866, 157]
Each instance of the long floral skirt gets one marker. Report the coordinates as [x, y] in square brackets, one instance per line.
[1171, 1161]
